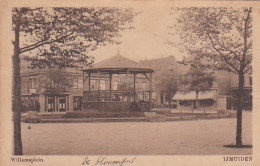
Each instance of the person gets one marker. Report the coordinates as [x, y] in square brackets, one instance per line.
[31, 106]
[24, 107]
[37, 105]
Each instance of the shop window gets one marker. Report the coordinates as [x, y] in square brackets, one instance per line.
[51, 104]
[162, 98]
[62, 103]
[185, 102]
[208, 102]
[77, 103]
[174, 104]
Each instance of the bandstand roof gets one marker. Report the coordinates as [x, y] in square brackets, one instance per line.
[123, 70]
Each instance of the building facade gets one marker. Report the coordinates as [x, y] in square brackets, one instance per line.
[35, 96]
[165, 70]
[222, 93]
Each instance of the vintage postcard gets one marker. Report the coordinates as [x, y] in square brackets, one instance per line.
[129, 83]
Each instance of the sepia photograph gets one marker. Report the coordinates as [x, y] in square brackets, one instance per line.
[124, 80]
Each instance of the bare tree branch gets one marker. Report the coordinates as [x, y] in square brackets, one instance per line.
[222, 55]
[41, 43]
[237, 28]
[222, 45]
[245, 38]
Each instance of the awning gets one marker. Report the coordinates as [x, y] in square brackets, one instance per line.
[192, 95]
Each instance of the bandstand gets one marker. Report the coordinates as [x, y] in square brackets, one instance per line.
[108, 99]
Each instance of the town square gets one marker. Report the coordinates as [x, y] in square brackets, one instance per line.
[132, 81]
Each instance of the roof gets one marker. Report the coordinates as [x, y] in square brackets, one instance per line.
[116, 61]
[118, 65]
[115, 70]
[192, 95]
[157, 63]
[27, 70]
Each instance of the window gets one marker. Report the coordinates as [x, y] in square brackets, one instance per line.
[52, 84]
[171, 68]
[29, 84]
[92, 84]
[144, 86]
[181, 79]
[80, 83]
[102, 85]
[32, 83]
[63, 85]
[186, 79]
[115, 85]
[153, 95]
[196, 63]
[75, 84]
[250, 80]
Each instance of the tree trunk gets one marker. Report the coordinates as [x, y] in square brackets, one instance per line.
[17, 92]
[170, 100]
[241, 85]
[197, 100]
[239, 109]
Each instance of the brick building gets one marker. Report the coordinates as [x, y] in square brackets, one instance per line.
[220, 96]
[36, 98]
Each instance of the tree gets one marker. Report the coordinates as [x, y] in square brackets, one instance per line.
[168, 85]
[224, 37]
[56, 81]
[60, 36]
[199, 82]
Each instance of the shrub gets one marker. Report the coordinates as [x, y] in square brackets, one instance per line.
[97, 114]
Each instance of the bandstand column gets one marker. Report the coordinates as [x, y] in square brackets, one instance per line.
[98, 85]
[134, 85]
[127, 85]
[83, 81]
[89, 81]
[98, 79]
[110, 85]
[150, 90]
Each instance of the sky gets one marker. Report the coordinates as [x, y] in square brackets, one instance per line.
[148, 40]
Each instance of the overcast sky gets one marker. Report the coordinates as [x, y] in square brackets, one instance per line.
[149, 38]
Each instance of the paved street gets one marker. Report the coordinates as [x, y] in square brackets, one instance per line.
[198, 137]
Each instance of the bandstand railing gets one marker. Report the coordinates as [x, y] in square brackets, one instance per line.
[141, 98]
